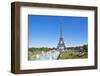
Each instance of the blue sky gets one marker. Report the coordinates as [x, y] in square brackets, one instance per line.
[44, 31]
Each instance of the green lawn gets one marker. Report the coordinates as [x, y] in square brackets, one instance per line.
[72, 55]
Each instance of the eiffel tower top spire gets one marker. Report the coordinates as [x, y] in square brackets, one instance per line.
[61, 35]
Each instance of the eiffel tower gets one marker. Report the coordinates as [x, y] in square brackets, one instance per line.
[61, 44]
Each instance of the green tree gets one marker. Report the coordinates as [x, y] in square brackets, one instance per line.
[85, 47]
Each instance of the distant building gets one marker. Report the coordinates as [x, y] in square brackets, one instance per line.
[75, 49]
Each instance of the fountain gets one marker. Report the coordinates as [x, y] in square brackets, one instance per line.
[50, 55]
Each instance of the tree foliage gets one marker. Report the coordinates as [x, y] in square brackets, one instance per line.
[85, 47]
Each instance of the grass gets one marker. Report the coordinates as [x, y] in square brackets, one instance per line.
[72, 55]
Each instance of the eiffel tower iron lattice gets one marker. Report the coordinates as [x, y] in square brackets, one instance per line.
[61, 44]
